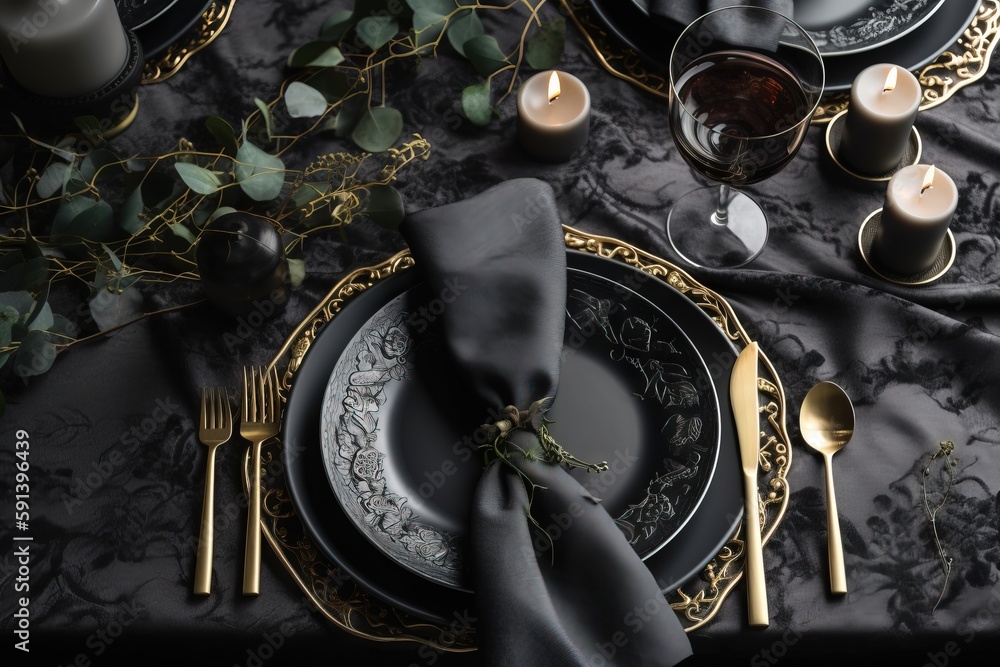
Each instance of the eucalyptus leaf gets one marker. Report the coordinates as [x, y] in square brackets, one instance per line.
[304, 101]
[8, 317]
[34, 355]
[52, 179]
[221, 211]
[62, 326]
[296, 271]
[265, 113]
[384, 206]
[197, 178]
[429, 19]
[476, 103]
[544, 50]
[95, 163]
[115, 262]
[331, 83]
[182, 232]
[376, 31]
[130, 216]
[485, 54]
[59, 152]
[337, 25]
[43, 320]
[25, 274]
[94, 221]
[316, 54]
[309, 192]
[261, 175]
[378, 129]
[90, 126]
[110, 309]
[465, 27]
[351, 112]
[223, 132]
[20, 301]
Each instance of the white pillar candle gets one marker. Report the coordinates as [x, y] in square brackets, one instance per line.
[920, 201]
[880, 115]
[553, 115]
[62, 48]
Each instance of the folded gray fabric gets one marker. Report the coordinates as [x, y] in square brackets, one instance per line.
[587, 598]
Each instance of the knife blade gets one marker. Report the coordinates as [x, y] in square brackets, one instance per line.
[743, 396]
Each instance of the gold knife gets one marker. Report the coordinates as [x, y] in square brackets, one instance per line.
[743, 395]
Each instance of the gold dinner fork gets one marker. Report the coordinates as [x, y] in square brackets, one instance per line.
[215, 428]
[261, 420]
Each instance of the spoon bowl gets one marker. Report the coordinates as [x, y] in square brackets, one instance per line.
[826, 422]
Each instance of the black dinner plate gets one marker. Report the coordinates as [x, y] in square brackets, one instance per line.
[157, 35]
[138, 13]
[654, 40]
[852, 26]
[706, 531]
[634, 392]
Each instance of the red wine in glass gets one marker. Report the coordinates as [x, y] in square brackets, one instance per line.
[731, 115]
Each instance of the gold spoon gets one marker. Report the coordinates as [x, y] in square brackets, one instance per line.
[826, 422]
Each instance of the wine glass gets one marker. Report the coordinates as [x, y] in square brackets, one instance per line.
[744, 84]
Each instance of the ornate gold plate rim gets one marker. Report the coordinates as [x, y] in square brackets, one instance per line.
[364, 615]
[964, 63]
[213, 21]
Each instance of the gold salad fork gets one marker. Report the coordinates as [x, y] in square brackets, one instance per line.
[215, 428]
[261, 420]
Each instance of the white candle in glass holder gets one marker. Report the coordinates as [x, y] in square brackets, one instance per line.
[920, 201]
[62, 48]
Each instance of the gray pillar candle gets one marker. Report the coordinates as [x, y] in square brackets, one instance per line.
[879, 119]
[62, 48]
[919, 204]
[553, 116]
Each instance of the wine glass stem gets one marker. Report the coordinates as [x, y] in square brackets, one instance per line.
[721, 215]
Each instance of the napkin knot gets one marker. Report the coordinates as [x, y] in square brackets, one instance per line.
[532, 420]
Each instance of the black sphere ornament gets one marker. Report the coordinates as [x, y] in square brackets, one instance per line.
[242, 265]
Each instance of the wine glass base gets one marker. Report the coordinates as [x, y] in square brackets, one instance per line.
[702, 241]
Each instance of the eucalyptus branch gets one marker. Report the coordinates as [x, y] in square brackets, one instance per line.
[101, 334]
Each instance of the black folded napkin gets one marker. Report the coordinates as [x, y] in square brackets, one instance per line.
[686, 11]
[586, 598]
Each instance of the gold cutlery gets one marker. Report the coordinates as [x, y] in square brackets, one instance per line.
[261, 420]
[215, 428]
[743, 396]
[826, 421]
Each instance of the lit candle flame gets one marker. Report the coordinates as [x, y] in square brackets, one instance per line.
[890, 80]
[555, 90]
[928, 179]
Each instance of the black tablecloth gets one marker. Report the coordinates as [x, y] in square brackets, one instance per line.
[117, 470]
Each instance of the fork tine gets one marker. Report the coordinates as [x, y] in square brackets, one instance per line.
[227, 412]
[246, 395]
[220, 419]
[204, 408]
[275, 397]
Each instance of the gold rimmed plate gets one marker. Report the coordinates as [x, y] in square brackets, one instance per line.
[635, 391]
[365, 593]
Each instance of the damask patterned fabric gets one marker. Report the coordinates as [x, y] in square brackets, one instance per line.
[117, 471]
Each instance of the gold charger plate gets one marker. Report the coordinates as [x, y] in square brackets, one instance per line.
[356, 611]
[964, 63]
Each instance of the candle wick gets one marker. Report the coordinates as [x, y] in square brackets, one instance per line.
[553, 99]
[925, 188]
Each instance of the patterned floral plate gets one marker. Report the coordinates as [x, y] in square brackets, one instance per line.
[634, 391]
[853, 26]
